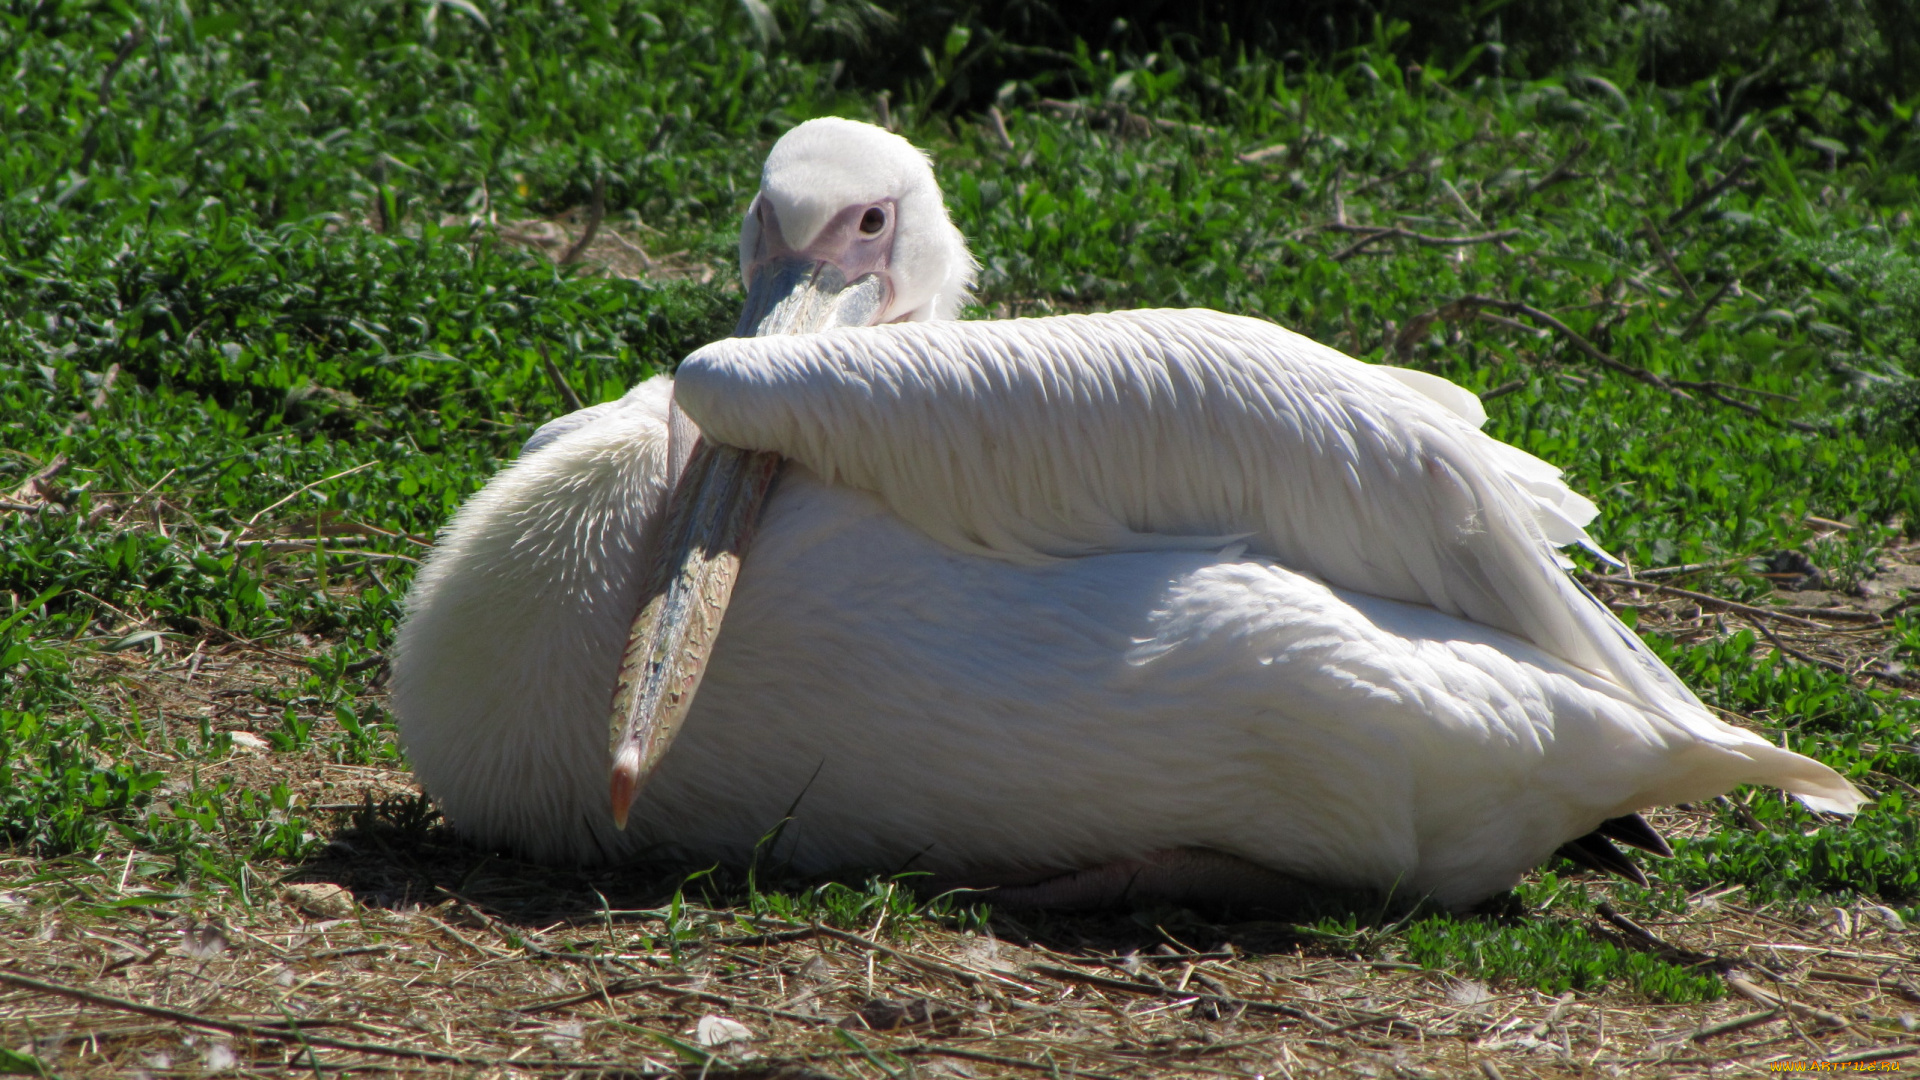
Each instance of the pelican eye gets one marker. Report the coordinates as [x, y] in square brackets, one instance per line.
[873, 221]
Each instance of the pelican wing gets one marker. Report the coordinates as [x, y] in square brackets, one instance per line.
[1033, 439]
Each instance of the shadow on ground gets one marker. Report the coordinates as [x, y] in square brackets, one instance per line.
[399, 854]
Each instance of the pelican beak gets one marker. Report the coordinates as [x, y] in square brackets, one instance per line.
[800, 295]
[692, 556]
[693, 559]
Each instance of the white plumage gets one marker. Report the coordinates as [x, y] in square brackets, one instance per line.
[1048, 595]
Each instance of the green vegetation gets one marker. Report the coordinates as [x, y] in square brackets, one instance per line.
[254, 291]
[1553, 958]
[1554, 954]
[1550, 951]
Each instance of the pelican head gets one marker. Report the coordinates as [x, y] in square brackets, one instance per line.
[848, 229]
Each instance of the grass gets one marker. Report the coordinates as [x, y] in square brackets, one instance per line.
[273, 303]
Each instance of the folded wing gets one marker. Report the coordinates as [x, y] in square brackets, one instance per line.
[1033, 439]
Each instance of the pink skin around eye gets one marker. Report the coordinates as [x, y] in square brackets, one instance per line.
[845, 241]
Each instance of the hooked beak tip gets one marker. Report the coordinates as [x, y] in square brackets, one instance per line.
[624, 784]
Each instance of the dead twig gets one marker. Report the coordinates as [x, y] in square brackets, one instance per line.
[1375, 234]
[1394, 175]
[646, 261]
[1776, 1002]
[998, 124]
[1803, 657]
[1262, 154]
[1686, 568]
[1885, 986]
[661, 986]
[99, 399]
[559, 381]
[303, 489]
[383, 222]
[963, 974]
[1705, 600]
[212, 627]
[1905, 602]
[1666, 258]
[1454, 194]
[1731, 285]
[1677, 388]
[1564, 170]
[1652, 942]
[1738, 1023]
[1512, 324]
[595, 213]
[1742, 813]
[1131, 986]
[284, 1031]
[1704, 197]
[1632, 929]
[1885, 1053]
[1049, 1067]
[1120, 117]
[305, 543]
[33, 493]
[1734, 388]
[1573, 337]
[90, 142]
[1831, 614]
[1560, 173]
[1718, 391]
[1906, 962]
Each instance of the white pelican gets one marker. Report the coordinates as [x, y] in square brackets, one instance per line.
[1165, 601]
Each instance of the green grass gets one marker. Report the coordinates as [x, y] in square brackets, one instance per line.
[191, 199]
[1549, 953]
[1553, 958]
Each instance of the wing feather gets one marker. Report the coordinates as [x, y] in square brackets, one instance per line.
[1034, 439]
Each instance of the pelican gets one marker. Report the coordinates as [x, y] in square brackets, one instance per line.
[1156, 602]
